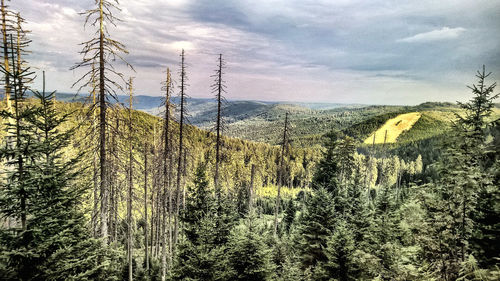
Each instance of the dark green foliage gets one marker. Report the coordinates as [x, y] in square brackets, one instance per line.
[290, 212]
[206, 228]
[326, 175]
[242, 201]
[249, 257]
[362, 130]
[55, 243]
[340, 253]
[459, 206]
[314, 227]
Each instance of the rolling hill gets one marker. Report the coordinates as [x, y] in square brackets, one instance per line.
[263, 121]
[393, 127]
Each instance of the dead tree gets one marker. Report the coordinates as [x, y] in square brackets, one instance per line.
[114, 182]
[146, 257]
[182, 94]
[251, 189]
[102, 50]
[218, 88]
[130, 183]
[95, 176]
[153, 191]
[166, 179]
[281, 172]
[7, 52]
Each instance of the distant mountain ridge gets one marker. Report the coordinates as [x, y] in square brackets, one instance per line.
[263, 121]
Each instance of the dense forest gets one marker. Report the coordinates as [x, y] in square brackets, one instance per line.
[96, 190]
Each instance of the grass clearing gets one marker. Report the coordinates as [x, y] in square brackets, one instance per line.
[394, 127]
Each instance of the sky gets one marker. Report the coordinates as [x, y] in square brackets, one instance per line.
[336, 51]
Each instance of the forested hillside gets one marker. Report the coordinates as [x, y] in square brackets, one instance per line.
[96, 189]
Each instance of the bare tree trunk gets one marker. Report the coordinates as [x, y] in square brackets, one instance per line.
[184, 178]
[102, 129]
[116, 182]
[251, 189]
[130, 186]
[218, 127]
[112, 179]
[170, 207]
[166, 177]
[153, 209]
[280, 174]
[146, 257]
[6, 58]
[95, 176]
[179, 160]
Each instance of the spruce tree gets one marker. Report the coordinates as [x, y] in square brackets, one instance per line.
[290, 212]
[249, 258]
[340, 254]
[315, 225]
[454, 204]
[55, 235]
[328, 167]
[200, 257]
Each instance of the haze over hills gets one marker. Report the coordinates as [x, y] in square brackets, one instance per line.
[263, 121]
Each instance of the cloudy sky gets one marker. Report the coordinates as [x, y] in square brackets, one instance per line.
[347, 51]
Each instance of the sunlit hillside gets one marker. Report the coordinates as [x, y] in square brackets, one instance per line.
[394, 127]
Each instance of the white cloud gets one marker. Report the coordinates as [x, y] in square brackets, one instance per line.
[281, 49]
[435, 35]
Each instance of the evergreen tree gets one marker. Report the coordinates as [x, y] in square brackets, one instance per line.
[290, 212]
[340, 253]
[55, 235]
[200, 255]
[19, 178]
[327, 169]
[453, 206]
[249, 258]
[315, 226]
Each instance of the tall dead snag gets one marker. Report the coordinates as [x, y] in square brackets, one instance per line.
[218, 88]
[182, 95]
[95, 170]
[113, 180]
[102, 50]
[153, 191]
[130, 183]
[146, 257]
[251, 189]
[6, 29]
[166, 180]
[281, 173]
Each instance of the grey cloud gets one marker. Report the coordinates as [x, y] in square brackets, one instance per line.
[309, 43]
